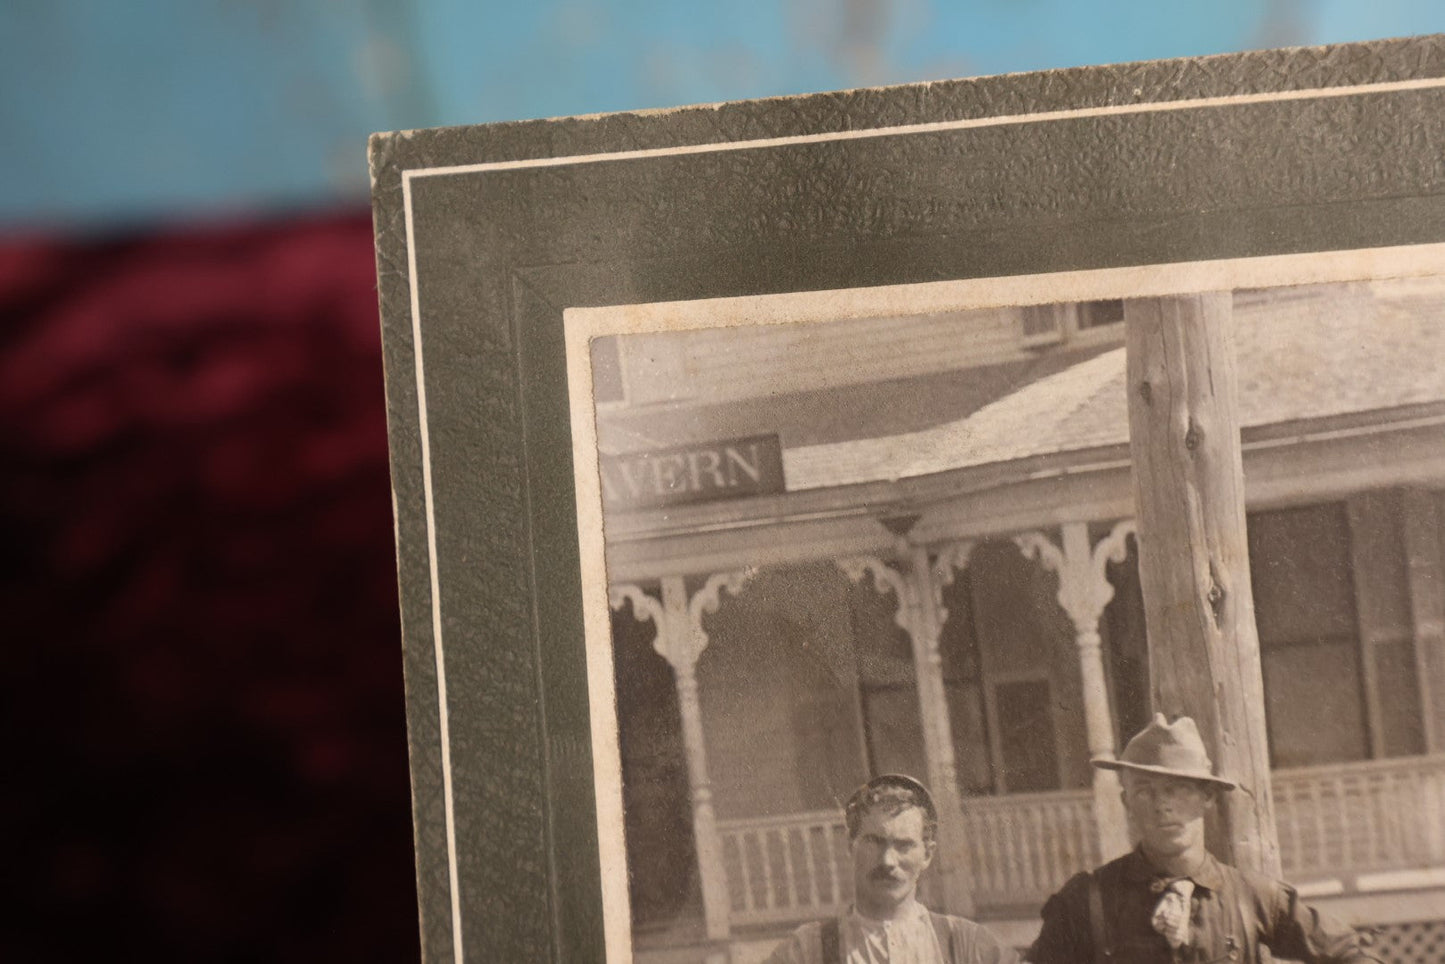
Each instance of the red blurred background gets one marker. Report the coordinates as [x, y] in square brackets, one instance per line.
[204, 693]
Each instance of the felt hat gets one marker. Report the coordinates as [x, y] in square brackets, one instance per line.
[1172, 749]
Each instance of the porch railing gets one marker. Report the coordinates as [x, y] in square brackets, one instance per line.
[1339, 819]
[1361, 817]
[786, 868]
[1022, 847]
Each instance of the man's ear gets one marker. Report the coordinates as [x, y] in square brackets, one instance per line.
[930, 847]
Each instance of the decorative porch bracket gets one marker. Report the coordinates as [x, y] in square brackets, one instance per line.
[1084, 591]
[918, 615]
[681, 640]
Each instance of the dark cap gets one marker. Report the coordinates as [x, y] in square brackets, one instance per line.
[864, 797]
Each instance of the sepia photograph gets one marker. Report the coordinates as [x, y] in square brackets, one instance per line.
[882, 536]
[975, 521]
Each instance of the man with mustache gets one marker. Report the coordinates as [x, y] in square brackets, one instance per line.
[1170, 901]
[892, 834]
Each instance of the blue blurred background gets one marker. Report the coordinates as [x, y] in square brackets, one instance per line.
[202, 696]
[124, 113]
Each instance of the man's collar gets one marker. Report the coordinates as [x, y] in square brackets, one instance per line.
[912, 911]
[1138, 869]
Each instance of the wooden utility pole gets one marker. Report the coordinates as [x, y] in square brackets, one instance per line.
[1193, 553]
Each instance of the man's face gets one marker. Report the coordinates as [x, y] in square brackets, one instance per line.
[1168, 812]
[889, 853]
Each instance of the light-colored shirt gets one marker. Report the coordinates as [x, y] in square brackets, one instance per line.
[909, 938]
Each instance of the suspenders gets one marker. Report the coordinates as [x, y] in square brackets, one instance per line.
[832, 950]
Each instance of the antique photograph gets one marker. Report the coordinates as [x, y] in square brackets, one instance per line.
[886, 533]
[980, 520]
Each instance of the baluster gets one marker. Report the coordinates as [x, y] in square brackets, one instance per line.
[1355, 829]
[1068, 821]
[1408, 800]
[745, 877]
[977, 861]
[1089, 853]
[1409, 810]
[1057, 841]
[1334, 822]
[1027, 834]
[737, 879]
[1399, 801]
[770, 888]
[831, 836]
[1002, 821]
[1053, 824]
[1319, 823]
[1375, 789]
[1076, 855]
[988, 840]
[1289, 812]
[1027, 837]
[747, 843]
[1341, 832]
[1037, 839]
[1431, 813]
[1068, 818]
[810, 861]
[1011, 858]
[1023, 836]
[765, 872]
[1008, 862]
[790, 872]
[999, 843]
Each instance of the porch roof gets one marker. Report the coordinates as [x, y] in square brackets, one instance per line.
[1302, 355]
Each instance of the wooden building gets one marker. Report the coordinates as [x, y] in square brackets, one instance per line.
[907, 545]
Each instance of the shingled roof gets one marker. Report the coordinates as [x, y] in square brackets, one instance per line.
[1308, 353]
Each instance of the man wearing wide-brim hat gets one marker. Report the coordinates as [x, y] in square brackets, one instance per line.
[1170, 900]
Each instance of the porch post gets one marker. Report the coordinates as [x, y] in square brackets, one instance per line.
[1427, 604]
[918, 616]
[1084, 591]
[1193, 555]
[681, 642]
[938, 732]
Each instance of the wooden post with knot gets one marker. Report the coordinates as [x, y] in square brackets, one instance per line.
[1193, 553]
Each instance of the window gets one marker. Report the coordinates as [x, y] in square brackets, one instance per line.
[1028, 757]
[1045, 325]
[1099, 314]
[1333, 606]
[1302, 574]
[1009, 712]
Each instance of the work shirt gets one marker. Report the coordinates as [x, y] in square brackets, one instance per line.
[910, 938]
[1232, 913]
